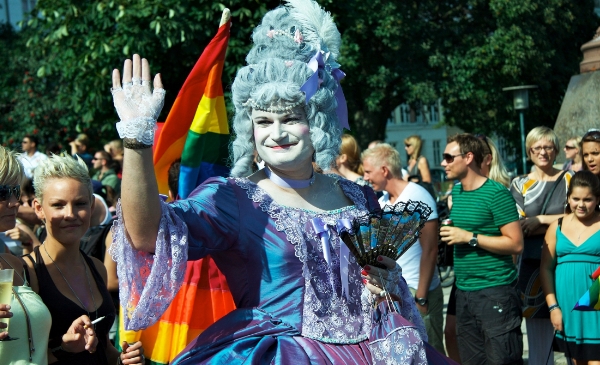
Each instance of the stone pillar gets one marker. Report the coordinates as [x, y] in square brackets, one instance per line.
[580, 109]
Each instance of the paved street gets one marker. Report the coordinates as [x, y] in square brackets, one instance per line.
[559, 358]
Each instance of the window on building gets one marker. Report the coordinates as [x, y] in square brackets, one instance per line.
[437, 152]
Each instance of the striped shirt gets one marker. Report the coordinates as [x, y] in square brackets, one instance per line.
[482, 211]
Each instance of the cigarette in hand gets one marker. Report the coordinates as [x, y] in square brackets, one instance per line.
[93, 322]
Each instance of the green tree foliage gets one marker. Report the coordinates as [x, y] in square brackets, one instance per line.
[464, 52]
[501, 43]
[64, 56]
[57, 71]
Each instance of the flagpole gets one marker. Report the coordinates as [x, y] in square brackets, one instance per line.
[225, 17]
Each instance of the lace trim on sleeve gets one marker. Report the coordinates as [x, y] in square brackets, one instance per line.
[149, 282]
[354, 192]
[394, 340]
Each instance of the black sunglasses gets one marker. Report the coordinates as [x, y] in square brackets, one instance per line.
[7, 190]
[567, 147]
[482, 137]
[450, 158]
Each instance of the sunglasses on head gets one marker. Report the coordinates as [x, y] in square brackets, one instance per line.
[7, 190]
[483, 138]
[591, 134]
[450, 158]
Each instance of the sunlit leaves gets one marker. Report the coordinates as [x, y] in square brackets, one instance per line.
[68, 48]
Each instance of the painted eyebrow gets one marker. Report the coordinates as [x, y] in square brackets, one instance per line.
[292, 115]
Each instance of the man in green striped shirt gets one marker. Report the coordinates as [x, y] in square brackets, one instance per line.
[485, 234]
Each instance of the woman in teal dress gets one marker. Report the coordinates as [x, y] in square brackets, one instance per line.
[571, 253]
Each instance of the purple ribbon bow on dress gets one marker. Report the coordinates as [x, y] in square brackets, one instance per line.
[311, 86]
[322, 230]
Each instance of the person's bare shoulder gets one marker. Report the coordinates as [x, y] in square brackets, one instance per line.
[100, 267]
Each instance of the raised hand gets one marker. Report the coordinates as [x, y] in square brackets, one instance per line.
[137, 105]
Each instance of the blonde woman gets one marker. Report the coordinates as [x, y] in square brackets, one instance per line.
[29, 317]
[493, 166]
[571, 149]
[417, 164]
[540, 196]
[72, 284]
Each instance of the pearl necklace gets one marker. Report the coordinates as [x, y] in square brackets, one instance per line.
[289, 183]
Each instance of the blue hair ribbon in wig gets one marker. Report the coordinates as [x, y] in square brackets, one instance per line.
[311, 85]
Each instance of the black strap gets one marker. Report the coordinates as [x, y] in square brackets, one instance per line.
[551, 347]
[560, 223]
[29, 257]
[551, 192]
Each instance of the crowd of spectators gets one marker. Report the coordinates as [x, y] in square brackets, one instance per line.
[511, 236]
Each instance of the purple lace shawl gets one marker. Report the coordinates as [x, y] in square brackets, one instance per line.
[149, 282]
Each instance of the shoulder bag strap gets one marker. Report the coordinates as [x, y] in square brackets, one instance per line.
[552, 192]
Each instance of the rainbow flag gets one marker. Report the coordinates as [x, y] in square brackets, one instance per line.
[590, 301]
[196, 129]
[203, 298]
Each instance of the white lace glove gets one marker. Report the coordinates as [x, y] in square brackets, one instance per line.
[137, 105]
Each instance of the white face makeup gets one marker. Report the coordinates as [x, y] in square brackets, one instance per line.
[283, 139]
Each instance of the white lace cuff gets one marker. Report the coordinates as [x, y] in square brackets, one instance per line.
[141, 129]
[149, 282]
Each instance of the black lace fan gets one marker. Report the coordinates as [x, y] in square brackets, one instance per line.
[388, 232]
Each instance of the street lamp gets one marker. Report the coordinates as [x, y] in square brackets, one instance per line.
[520, 103]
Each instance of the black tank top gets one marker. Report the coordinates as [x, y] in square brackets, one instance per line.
[64, 312]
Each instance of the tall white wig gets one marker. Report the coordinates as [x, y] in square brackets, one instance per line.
[285, 41]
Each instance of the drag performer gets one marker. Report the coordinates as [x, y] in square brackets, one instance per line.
[274, 233]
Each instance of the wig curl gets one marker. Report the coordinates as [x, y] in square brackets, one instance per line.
[284, 42]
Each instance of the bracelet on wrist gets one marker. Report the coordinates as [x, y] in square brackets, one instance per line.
[134, 144]
[553, 307]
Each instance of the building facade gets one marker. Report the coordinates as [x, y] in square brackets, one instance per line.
[13, 11]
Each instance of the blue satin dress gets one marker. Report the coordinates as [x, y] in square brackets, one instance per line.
[299, 301]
